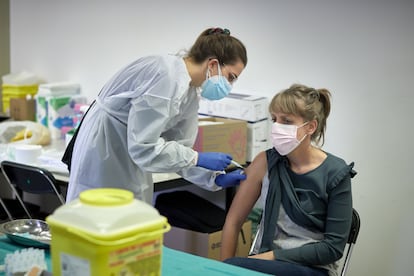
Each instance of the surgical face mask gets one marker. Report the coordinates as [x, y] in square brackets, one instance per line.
[215, 87]
[284, 137]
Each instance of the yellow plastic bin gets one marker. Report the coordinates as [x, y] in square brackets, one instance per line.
[16, 91]
[107, 232]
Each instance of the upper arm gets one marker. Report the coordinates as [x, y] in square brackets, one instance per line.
[248, 191]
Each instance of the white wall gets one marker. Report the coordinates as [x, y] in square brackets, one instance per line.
[361, 50]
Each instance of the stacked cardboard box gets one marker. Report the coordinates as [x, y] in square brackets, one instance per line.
[251, 109]
[206, 244]
[223, 135]
[197, 225]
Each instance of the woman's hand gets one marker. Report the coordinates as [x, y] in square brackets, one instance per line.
[264, 256]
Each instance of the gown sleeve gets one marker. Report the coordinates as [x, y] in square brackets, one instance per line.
[148, 118]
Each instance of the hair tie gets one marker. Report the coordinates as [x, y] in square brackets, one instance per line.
[219, 31]
[314, 94]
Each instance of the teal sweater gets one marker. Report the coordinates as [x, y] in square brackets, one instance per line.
[320, 200]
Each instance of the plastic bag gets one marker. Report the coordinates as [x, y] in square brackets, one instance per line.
[24, 132]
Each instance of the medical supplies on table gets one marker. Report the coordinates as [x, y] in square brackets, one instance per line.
[18, 86]
[58, 107]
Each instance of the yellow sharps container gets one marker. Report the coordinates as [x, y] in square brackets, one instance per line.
[106, 232]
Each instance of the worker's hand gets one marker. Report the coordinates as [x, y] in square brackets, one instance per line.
[216, 161]
[231, 179]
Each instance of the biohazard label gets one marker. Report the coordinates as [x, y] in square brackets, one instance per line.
[137, 259]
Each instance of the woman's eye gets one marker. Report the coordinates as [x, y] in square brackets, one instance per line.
[232, 78]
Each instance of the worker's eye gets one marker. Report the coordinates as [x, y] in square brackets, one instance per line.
[232, 78]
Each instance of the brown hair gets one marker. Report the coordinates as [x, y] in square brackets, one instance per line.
[218, 43]
[306, 102]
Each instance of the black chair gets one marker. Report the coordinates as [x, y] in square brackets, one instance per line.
[24, 178]
[6, 210]
[353, 235]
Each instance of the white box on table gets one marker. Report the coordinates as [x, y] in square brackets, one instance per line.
[258, 131]
[236, 106]
[254, 148]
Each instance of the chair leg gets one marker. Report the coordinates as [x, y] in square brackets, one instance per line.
[16, 193]
[347, 259]
[6, 210]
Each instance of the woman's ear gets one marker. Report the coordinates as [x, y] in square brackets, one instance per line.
[312, 126]
[212, 64]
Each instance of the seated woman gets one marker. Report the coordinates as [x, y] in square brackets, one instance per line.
[308, 201]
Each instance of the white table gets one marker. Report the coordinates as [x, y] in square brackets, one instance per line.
[51, 160]
[56, 149]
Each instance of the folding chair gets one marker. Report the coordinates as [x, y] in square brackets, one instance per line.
[353, 235]
[29, 179]
[6, 210]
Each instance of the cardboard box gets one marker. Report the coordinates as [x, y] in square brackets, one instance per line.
[16, 91]
[22, 109]
[236, 106]
[206, 244]
[223, 135]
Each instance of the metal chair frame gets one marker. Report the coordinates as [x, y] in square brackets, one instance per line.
[353, 235]
[5, 209]
[19, 176]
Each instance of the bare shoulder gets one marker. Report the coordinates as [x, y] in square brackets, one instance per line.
[258, 167]
[249, 190]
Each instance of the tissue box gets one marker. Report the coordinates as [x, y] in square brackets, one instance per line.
[61, 113]
[48, 90]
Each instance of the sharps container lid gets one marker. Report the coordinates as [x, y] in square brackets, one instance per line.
[107, 213]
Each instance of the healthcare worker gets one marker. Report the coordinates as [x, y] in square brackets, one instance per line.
[145, 120]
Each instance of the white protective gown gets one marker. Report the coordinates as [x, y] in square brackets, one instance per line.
[144, 120]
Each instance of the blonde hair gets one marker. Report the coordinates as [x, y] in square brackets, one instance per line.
[306, 102]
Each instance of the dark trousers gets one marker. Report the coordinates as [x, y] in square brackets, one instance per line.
[276, 267]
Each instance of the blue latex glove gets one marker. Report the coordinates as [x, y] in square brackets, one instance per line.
[216, 161]
[230, 179]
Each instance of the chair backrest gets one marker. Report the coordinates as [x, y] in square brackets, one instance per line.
[30, 179]
[353, 235]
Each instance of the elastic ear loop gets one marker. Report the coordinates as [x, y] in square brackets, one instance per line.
[208, 75]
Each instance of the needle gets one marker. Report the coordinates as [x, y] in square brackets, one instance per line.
[237, 164]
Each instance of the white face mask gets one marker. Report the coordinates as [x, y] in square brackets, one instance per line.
[284, 137]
